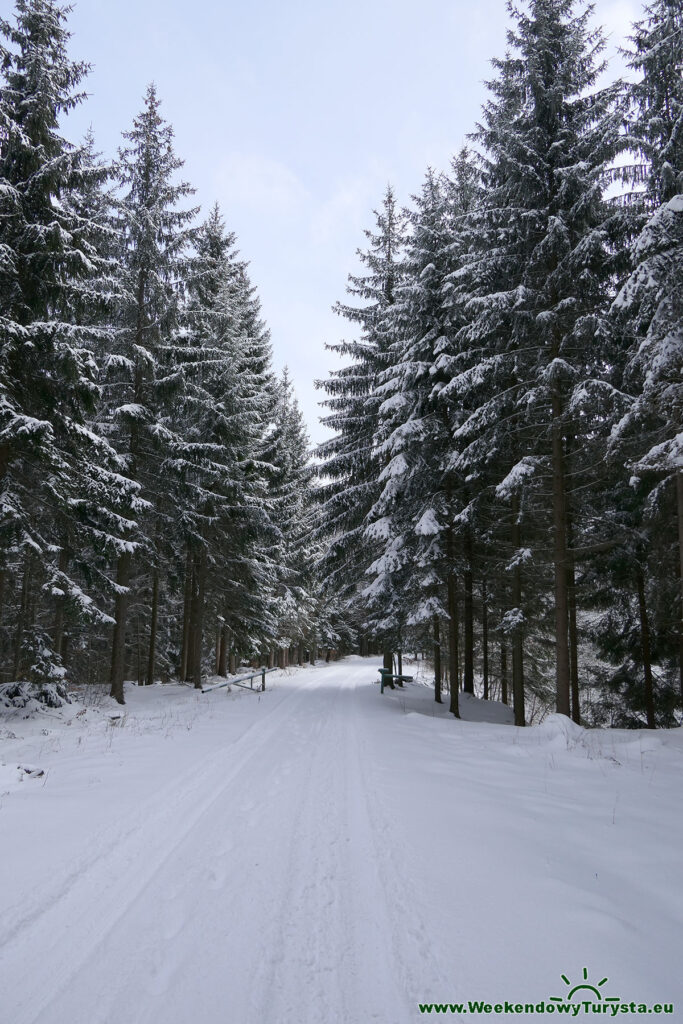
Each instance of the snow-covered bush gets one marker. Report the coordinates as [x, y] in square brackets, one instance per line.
[31, 696]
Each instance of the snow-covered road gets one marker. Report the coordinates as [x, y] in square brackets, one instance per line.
[323, 854]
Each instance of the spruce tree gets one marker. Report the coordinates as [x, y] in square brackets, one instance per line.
[410, 521]
[539, 280]
[292, 513]
[62, 485]
[656, 123]
[155, 236]
[648, 437]
[648, 311]
[222, 424]
[351, 461]
[250, 602]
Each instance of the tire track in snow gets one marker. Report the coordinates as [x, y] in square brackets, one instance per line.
[296, 976]
[272, 897]
[379, 973]
[234, 925]
[96, 894]
[328, 939]
[107, 841]
[413, 951]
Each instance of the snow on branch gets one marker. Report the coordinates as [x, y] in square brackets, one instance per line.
[517, 477]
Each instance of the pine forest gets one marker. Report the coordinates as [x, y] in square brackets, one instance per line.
[501, 490]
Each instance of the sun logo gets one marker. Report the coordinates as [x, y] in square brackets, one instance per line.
[584, 987]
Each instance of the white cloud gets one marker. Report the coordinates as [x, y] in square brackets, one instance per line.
[617, 18]
[346, 209]
[336, 208]
[260, 183]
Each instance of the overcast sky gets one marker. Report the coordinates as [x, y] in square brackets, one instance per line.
[293, 116]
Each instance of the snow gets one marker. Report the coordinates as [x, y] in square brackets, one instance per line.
[395, 403]
[398, 467]
[474, 709]
[513, 618]
[321, 853]
[428, 524]
[517, 476]
[425, 610]
[133, 410]
[665, 456]
[380, 529]
[520, 557]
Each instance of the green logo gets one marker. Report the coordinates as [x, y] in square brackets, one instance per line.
[581, 996]
[584, 987]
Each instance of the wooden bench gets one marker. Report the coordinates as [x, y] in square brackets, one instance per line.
[388, 678]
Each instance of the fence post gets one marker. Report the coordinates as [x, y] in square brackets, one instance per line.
[263, 679]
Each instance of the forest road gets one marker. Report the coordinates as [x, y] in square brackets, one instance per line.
[271, 886]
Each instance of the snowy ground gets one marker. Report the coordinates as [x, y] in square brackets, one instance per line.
[321, 853]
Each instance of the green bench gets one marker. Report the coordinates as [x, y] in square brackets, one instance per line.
[388, 678]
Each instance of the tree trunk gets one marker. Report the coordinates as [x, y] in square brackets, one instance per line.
[5, 457]
[574, 656]
[679, 497]
[573, 642]
[191, 637]
[645, 649]
[388, 660]
[64, 654]
[485, 637]
[60, 602]
[680, 635]
[223, 651]
[452, 595]
[571, 598]
[453, 644]
[197, 618]
[517, 637]
[187, 604]
[468, 681]
[138, 650]
[314, 651]
[562, 671]
[233, 663]
[503, 673]
[21, 619]
[437, 660]
[118, 647]
[153, 627]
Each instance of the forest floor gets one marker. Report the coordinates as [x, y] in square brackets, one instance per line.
[321, 853]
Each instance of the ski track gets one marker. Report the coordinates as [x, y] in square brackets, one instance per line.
[271, 869]
[319, 863]
[162, 807]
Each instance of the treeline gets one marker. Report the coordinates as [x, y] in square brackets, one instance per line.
[505, 481]
[155, 499]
